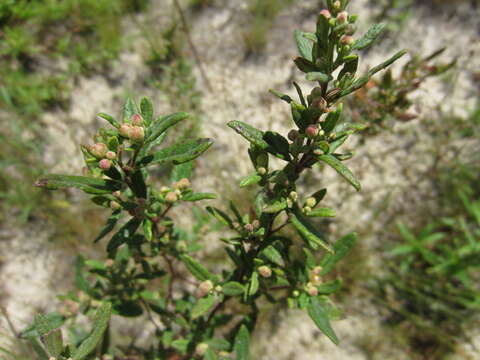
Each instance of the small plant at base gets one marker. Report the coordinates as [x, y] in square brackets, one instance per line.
[196, 323]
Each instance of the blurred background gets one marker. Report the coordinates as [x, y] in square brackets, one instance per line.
[411, 287]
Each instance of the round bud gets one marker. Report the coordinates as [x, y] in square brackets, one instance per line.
[110, 155]
[201, 349]
[307, 209]
[124, 130]
[310, 202]
[311, 131]
[98, 150]
[182, 184]
[181, 246]
[337, 5]
[317, 270]
[136, 133]
[105, 164]
[311, 289]
[137, 119]
[321, 133]
[249, 227]
[204, 288]
[171, 197]
[265, 271]
[164, 189]
[115, 205]
[256, 224]
[342, 17]
[261, 171]
[218, 288]
[350, 30]
[109, 263]
[315, 279]
[346, 40]
[320, 103]
[326, 14]
[293, 135]
[317, 152]
[117, 194]
[296, 293]
[293, 195]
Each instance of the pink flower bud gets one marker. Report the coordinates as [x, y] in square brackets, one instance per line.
[201, 349]
[265, 271]
[115, 205]
[311, 289]
[256, 224]
[311, 131]
[110, 155]
[124, 130]
[109, 263]
[137, 119]
[98, 150]
[171, 197]
[182, 184]
[105, 164]
[204, 288]
[346, 40]
[342, 17]
[249, 227]
[136, 133]
[326, 14]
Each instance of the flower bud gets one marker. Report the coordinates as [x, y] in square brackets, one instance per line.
[105, 164]
[204, 288]
[110, 155]
[317, 270]
[311, 131]
[342, 17]
[115, 205]
[307, 209]
[320, 103]
[317, 152]
[261, 171]
[321, 133]
[293, 195]
[137, 119]
[201, 349]
[265, 271]
[164, 189]
[182, 184]
[311, 202]
[181, 246]
[218, 288]
[256, 224]
[350, 30]
[311, 289]
[98, 150]
[296, 293]
[293, 135]
[136, 133]
[326, 14]
[315, 279]
[117, 194]
[249, 227]
[109, 263]
[124, 130]
[337, 5]
[171, 197]
[346, 40]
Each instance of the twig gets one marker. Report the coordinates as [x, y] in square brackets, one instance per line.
[192, 45]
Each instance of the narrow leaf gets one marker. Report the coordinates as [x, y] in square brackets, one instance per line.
[146, 109]
[319, 316]
[124, 234]
[178, 153]
[198, 196]
[233, 288]
[304, 45]
[307, 230]
[202, 306]
[341, 248]
[321, 212]
[110, 119]
[341, 169]
[163, 123]
[369, 38]
[250, 133]
[56, 181]
[250, 180]
[242, 343]
[198, 270]
[318, 76]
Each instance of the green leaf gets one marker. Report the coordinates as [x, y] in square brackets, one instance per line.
[54, 343]
[281, 96]
[318, 76]
[100, 324]
[210, 355]
[321, 212]
[110, 119]
[233, 288]
[198, 196]
[304, 45]
[178, 153]
[181, 345]
[341, 248]
[129, 109]
[87, 184]
[319, 316]
[273, 255]
[242, 343]
[329, 287]
[250, 133]
[148, 229]
[386, 63]
[38, 348]
[124, 234]
[111, 222]
[138, 185]
[128, 308]
[369, 38]
[146, 109]
[306, 229]
[220, 215]
[279, 146]
[181, 171]
[198, 270]
[254, 284]
[163, 123]
[250, 180]
[341, 169]
[202, 306]
[274, 205]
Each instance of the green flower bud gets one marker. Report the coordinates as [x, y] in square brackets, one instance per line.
[293, 195]
[201, 349]
[265, 271]
[256, 224]
[310, 202]
[307, 209]
[261, 171]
